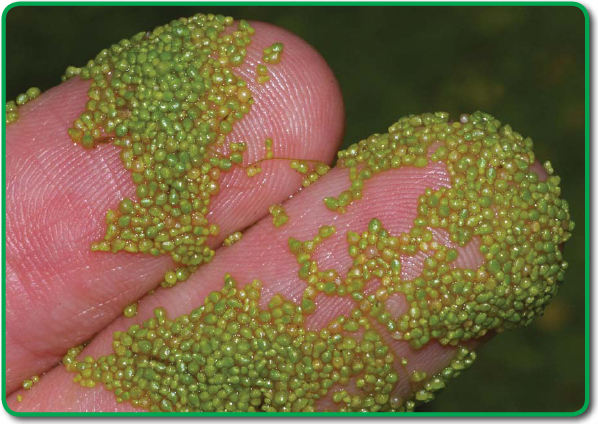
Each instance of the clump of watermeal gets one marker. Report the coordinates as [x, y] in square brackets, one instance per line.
[12, 107]
[168, 99]
[494, 196]
[230, 355]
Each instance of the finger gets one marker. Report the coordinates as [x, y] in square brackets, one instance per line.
[59, 293]
[263, 254]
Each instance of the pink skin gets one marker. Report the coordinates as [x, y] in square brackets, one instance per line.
[77, 294]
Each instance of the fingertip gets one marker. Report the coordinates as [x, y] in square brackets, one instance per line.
[300, 109]
[301, 106]
[54, 110]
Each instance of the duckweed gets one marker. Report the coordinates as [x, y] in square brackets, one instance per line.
[253, 170]
[231, 355]
[495, 197]
[168, 99]
[310, 174]
[279, 215]
[130, 310]
[273, 53]
[12, 107]
[233, 238]
[261, 74]
[426, 390]
[28, 384]
[269, 151]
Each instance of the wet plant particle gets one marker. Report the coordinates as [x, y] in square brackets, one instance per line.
[30, 382]
[168, 99]
[233, 238]
[311, 170]
[269, 151]
[130, 310]
[273, 53]
[253, 170]
[279, 215]
[12, 107]
[262, 76]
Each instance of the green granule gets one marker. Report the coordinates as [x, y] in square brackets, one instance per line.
[319, 170]
[12, 112]
[130, 310]
[269, 151]
[300, 166]
[168, 99]
[273, 53]
[418, 376]
[70, 72]
[233, 238]
[231, 355]
[12, 107]
[253, 170]
[262, 76]
[310, 175]
[427, 391]
[19, 398]
[237, 150]
[28, 384]
[279, 215]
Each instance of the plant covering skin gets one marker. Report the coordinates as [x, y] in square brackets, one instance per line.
[168, 99]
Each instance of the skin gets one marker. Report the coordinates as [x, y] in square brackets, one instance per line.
[59, 294]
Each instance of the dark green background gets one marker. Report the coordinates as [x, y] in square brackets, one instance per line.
[525, 65]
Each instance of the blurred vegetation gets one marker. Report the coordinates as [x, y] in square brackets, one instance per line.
[525, 65]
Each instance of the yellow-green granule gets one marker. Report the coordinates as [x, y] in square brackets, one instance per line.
[279, 215]
[12, 110]
[70, 72]
[269, 151]
[262, 76]
[28, 384]
[231, 355]
[253, 170]
[273, 53]
[418, 376]
[19, 398]
[300, 166]
[318, 171]
[311, 174]
[168, 99]
[233, 238]
[494, 196]
[425, 390]
[130, 310]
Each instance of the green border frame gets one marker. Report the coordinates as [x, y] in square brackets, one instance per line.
[312, 414]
